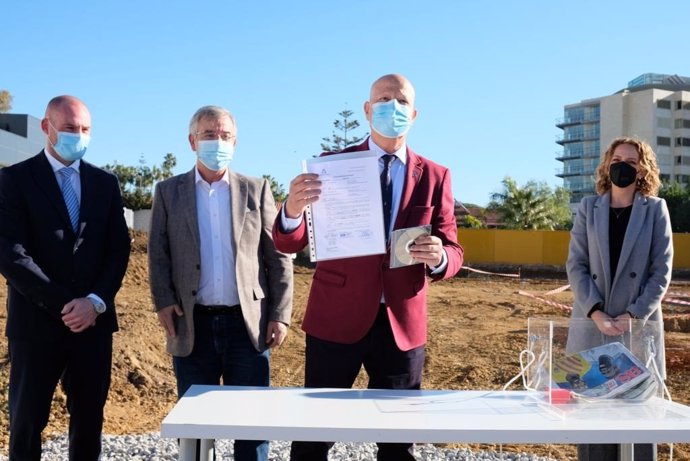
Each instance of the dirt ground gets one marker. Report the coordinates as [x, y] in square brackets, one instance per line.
[477, 327]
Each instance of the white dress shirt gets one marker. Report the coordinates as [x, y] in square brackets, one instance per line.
[217, 283]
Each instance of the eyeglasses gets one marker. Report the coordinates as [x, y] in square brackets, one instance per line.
[213, 135]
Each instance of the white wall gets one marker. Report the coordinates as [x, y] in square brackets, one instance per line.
[141, 220]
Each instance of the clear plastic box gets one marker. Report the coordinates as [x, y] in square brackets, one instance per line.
[551, 340]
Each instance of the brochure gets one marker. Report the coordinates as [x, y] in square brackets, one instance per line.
[607, 371]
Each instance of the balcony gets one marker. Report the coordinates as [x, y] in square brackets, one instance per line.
[578, 136]
[569, 171]
[577, 119]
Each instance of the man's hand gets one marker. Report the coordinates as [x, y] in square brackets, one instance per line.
[79, 314]
[304, 189]
[165, 318]
[608, 325]
[427, 249]
[275, 333]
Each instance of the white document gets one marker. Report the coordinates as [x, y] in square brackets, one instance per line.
[347, 220]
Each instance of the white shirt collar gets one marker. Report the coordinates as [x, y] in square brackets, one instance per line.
[197, 177]
[57, 166]
[400, 153]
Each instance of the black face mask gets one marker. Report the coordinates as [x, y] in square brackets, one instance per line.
[622, 174]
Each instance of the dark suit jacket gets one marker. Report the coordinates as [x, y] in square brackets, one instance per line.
[264, 275]
[46, 265]
[345, 293]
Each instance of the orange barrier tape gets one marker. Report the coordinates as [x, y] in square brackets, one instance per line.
[490, 273]
[558, 290]
[550, 303]
[676, 301]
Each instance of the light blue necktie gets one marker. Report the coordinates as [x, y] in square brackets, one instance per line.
[70, 196]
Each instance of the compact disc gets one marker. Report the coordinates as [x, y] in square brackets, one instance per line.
[401, 242]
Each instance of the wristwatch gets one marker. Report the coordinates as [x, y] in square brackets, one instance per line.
[98, 306]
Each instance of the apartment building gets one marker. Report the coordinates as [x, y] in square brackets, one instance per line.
[20, 138]
[654, 107]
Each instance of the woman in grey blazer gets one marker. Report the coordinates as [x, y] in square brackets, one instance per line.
[619, 260]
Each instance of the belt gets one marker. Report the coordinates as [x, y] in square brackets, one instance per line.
[217, 309]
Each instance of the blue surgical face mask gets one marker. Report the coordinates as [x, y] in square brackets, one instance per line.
[71, 146]
[391, 119]
[215, 155]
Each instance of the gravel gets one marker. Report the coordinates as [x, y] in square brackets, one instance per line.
[150, 447]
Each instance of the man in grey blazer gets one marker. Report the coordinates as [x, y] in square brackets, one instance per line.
[222, 292]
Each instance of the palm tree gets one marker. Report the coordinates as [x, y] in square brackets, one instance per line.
[533, 206]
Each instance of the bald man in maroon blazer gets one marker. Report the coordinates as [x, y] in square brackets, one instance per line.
[360, 311]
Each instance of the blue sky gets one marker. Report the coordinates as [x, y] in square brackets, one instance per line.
[491, 77]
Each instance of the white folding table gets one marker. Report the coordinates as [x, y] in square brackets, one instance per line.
[428, 416]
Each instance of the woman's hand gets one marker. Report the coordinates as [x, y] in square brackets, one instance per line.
[610, 326]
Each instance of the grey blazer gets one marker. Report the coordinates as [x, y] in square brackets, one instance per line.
[264, 275]
[644, 267]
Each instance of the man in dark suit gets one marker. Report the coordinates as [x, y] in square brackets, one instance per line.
[64, 248]
[360, 311]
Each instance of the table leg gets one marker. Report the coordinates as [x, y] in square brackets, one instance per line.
[187, 450]
[625, 452]
[206, 450]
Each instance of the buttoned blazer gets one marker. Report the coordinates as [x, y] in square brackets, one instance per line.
[45, 262]
[264, 275]
[644, 266]
[345, 293]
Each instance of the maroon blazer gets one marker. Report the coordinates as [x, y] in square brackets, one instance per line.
[346, 293]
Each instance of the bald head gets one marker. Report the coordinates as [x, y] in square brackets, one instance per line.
[65, 103]
[390, 128]
[395, 83]
[65, 114]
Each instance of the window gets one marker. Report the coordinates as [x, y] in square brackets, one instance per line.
[679, 105]
[663, 122]
[663, 141]
[681, 123]
[663, 104]
[682, 142]
[678, 159]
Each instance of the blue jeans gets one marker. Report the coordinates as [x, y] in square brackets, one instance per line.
[222, 349]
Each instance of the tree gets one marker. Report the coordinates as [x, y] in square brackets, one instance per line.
[534, 206]
[5, 101]
[344, 125]
[137, 182]
[677, 199]
[279, 194]
[471, 222]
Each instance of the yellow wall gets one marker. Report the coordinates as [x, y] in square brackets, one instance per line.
[492, 246]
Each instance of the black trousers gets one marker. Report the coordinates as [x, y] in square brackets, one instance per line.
[335, 365]
[610, 452]
[82, 362]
